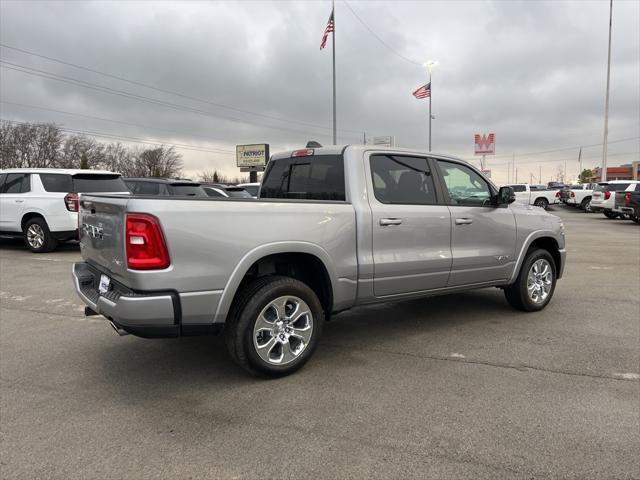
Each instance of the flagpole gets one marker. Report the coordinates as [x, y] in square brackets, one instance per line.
[606, 103]
[335, 134]
[430, 95]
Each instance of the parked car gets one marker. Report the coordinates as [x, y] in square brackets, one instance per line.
[252, 188]
[225, 191]
[603, 197]
[578, 196]
[164, 187]
[333, 228]
[41, 204]
[628, 202]
[540, 198]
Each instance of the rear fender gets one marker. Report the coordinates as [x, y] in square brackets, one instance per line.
[262, 251]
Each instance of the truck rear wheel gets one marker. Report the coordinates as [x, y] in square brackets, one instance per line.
[274, 326]
[586, 205]
[535, 284]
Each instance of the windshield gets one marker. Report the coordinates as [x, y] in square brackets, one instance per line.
[617, 187]
[188, 190]
[82, 183]
[238, 192]
[252, 189]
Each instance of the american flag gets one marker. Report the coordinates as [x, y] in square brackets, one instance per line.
[327, 30]
[423, 92]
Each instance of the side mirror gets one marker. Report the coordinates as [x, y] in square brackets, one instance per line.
[505, 196]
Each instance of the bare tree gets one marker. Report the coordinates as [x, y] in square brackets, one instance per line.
[209, 176]
[162, 161]
[29, 145]
[80, 151]
[117, 158]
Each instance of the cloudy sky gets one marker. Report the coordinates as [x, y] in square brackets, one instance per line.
[233, 72]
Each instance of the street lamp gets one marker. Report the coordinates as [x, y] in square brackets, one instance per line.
[429, 64]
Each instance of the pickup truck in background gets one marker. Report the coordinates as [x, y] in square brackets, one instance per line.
[629, 204]
[531, 196]
[578, 196]
[333, 228]
[604, 196]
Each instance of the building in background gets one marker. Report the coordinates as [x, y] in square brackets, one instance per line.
[629, 171]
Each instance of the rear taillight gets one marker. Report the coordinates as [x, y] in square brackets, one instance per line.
[558, 194]
[71, 202]
[573, 194]
[627, 199]
[146, 247]
[607, 195]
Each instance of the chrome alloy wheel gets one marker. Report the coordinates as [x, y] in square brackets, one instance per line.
[35, 236]
[283, 330]
[539, 280]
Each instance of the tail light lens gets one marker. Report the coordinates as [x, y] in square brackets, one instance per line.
[146, 247]
[71, 202]
[627, 199]
[607, 195]
[573, 194]
[558, 194]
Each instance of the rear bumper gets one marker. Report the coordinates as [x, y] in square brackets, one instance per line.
[144, 314]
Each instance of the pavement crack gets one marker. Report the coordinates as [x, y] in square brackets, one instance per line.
[511, 366]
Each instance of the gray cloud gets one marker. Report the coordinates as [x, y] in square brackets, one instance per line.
[532, 72]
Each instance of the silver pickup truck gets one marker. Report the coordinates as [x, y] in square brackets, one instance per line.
[332, 228]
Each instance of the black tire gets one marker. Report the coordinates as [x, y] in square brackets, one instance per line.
[541, 202]
[245, 311]
[586, 205]
[635, 218]
[517, 294]
[37, 236]
[610, 214]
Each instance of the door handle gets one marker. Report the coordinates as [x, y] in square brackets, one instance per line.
[19, 201]
[385, 222]
[464, 221]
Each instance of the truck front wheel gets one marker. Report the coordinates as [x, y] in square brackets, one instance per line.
[535, 284]
[274, 326]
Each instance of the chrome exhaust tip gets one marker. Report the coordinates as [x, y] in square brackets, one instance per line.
[118, 330]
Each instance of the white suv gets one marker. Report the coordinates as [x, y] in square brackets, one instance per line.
[41, 204]
[604, 196]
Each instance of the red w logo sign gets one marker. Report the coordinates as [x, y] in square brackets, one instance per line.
[485, 144]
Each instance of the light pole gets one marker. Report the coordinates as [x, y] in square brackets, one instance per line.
[429, 65]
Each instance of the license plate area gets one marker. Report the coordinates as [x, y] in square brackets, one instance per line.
[104, 285]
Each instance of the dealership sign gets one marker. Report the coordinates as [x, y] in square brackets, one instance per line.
[485, 144]
[252, 156]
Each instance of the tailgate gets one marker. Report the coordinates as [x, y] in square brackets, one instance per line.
[101, 230]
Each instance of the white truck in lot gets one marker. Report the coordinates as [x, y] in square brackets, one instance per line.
[332, 228]
[533, 196]
[579, 196]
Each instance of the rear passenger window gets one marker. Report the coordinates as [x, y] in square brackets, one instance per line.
[310, 178]
[519, 188]
[147, 188]
[402, 180]
[55, 182]
[13, 183]
[26, 183]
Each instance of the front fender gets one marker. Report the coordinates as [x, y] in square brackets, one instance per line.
[532, 237]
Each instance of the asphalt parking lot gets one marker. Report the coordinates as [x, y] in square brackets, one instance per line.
[451, 387]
